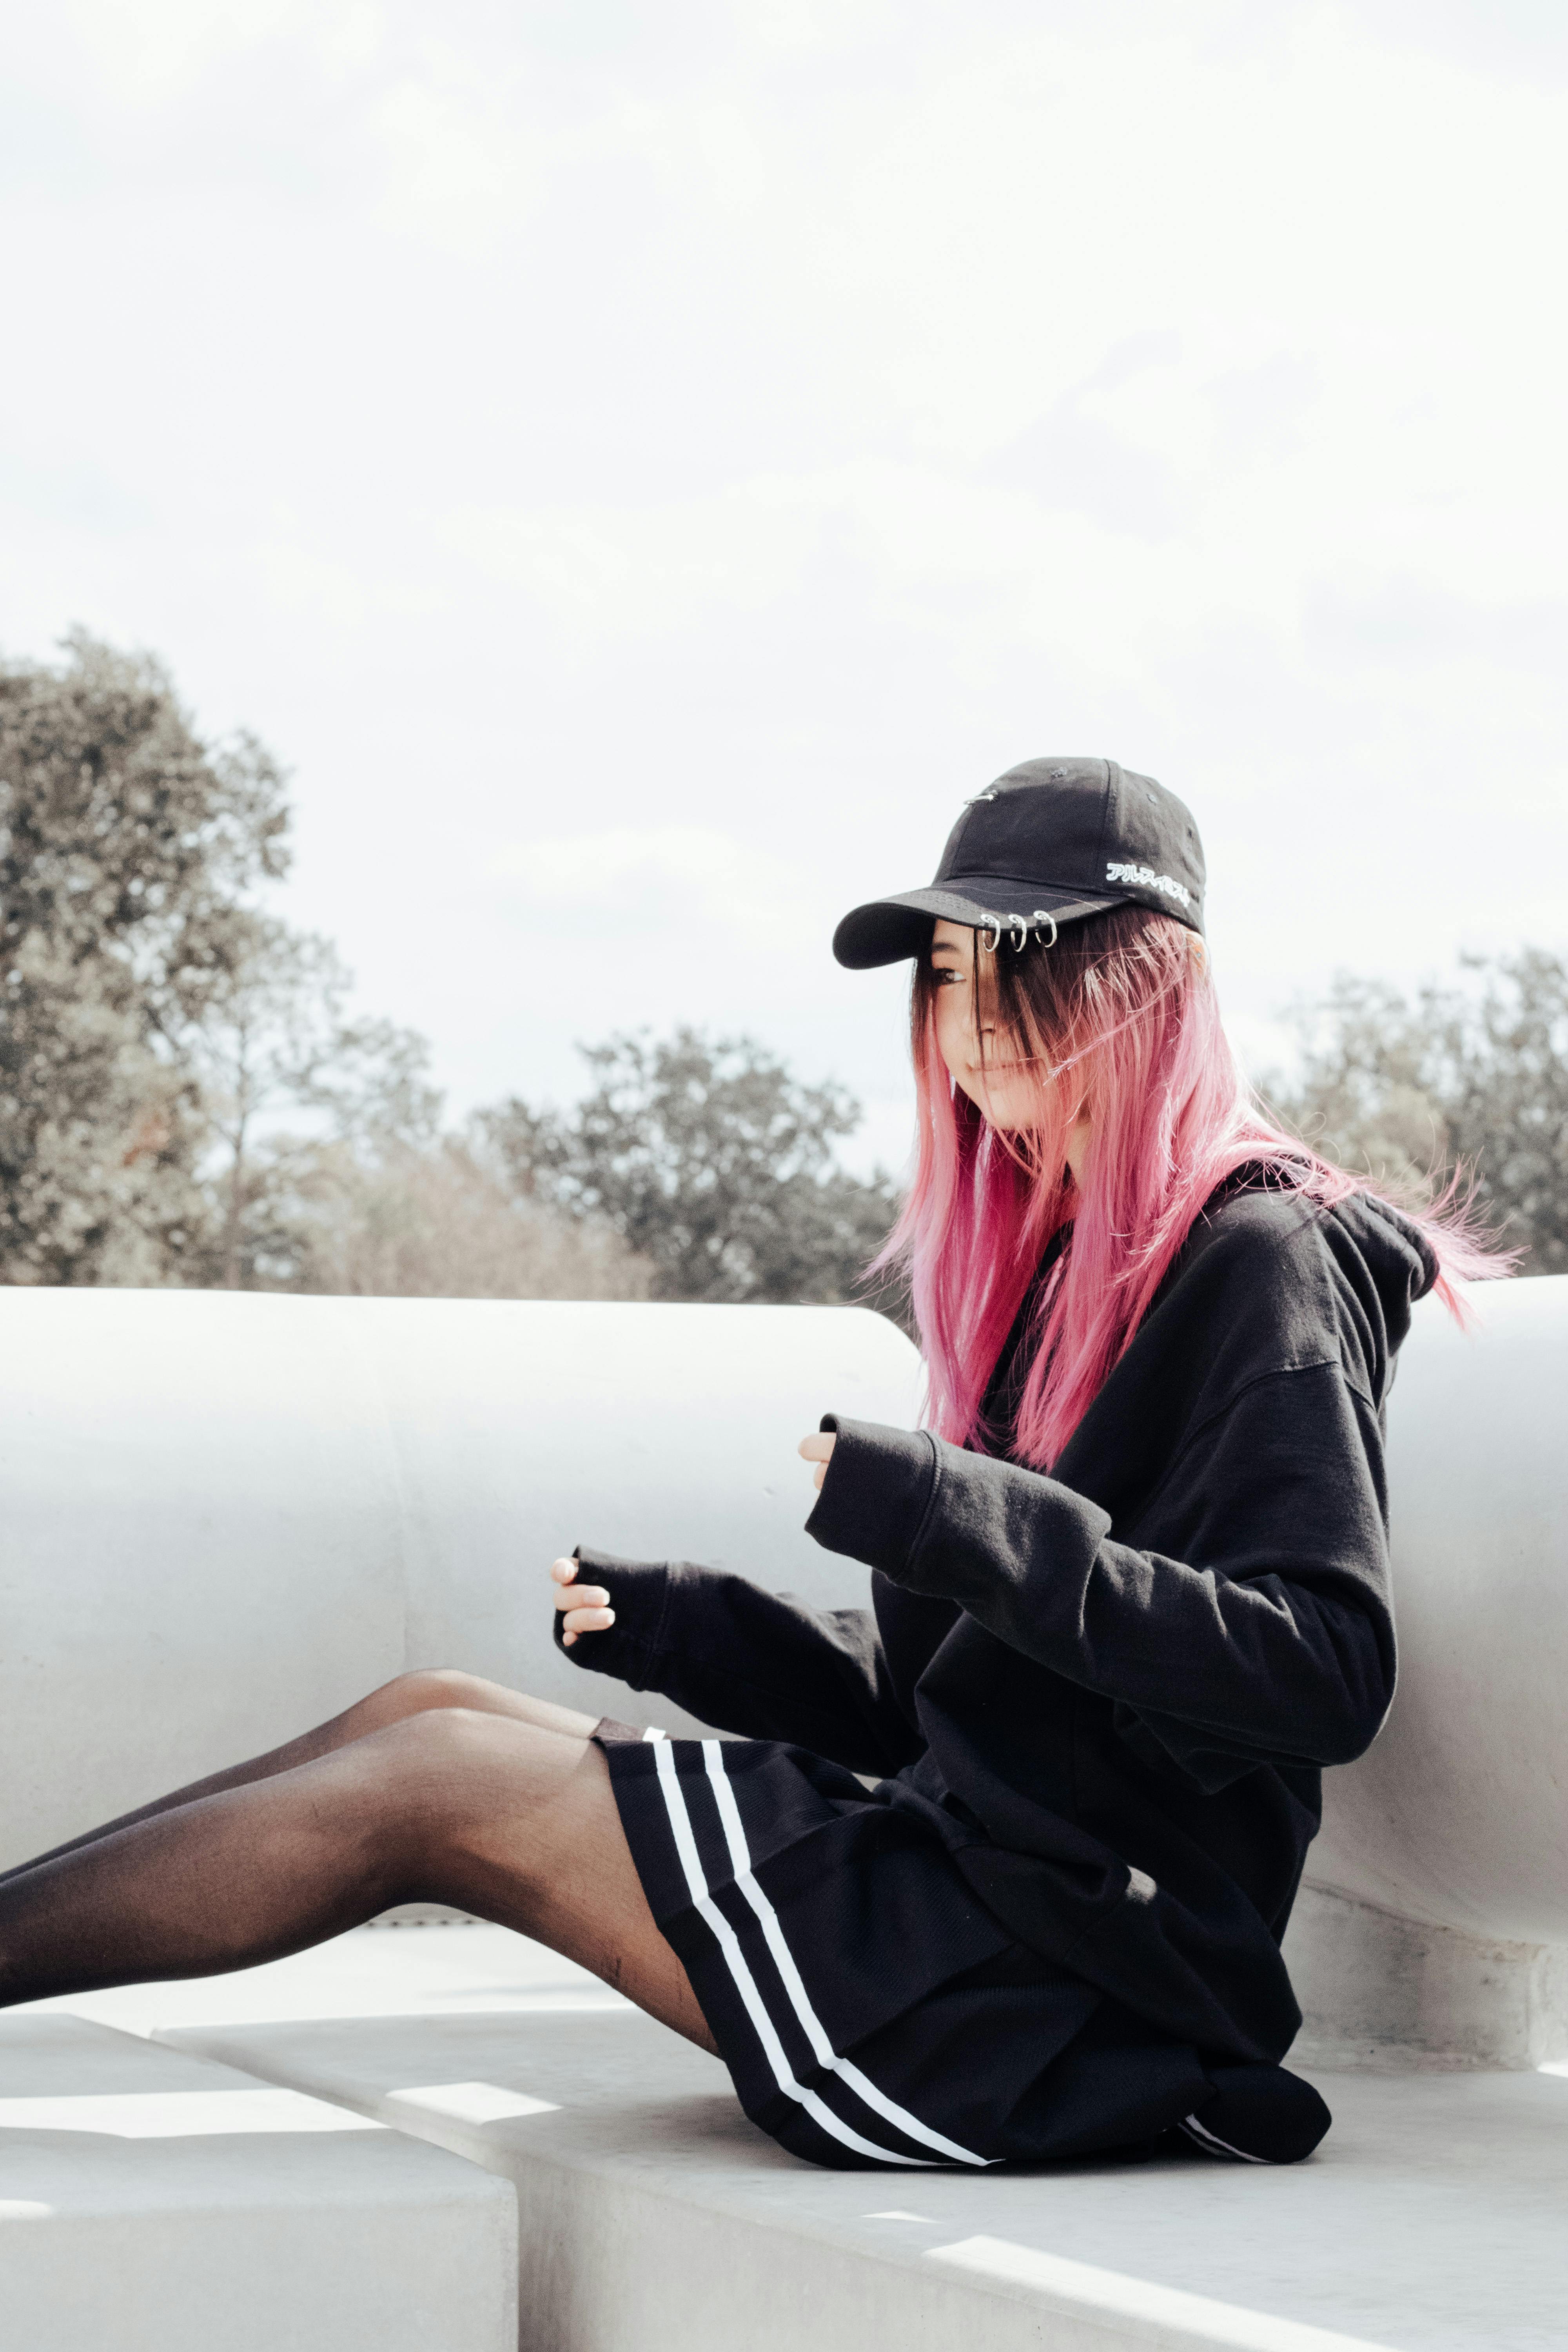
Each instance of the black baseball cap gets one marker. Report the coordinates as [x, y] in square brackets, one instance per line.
[1052, 838]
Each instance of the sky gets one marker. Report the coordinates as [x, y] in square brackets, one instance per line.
[643, 464]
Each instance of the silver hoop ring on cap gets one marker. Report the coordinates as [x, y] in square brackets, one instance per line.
[1039, 916]
[989, 947]
[1018, 926]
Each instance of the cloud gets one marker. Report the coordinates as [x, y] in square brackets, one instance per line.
[1419, 623]
[654, 877]
[643, 463]
[650, 568]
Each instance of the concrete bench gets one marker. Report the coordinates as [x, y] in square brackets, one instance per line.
[223, 1517]
[152, 2200]
[654, 2219]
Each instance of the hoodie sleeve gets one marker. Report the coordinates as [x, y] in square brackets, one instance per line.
[745, 1660]
[1261, 1630]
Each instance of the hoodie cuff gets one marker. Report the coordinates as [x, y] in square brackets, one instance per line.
[639, 1593]
[877, 1493]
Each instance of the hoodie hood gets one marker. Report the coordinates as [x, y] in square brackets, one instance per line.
[1399, 1260]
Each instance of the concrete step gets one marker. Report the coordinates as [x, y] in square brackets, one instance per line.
[154, 2201]
[440, 1970]
[654, 2219]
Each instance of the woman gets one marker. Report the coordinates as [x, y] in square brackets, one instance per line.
[998, 1871]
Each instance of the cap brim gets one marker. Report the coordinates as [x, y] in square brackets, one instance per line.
[886, 930]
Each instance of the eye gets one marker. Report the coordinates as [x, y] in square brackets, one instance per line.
[945, 974]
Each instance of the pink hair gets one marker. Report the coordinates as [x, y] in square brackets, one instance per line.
[1125, 1001]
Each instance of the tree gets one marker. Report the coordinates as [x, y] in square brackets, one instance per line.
[184, 1098]
[269, 1044]
[127, 851]
[1470, 1076]
[183, 1095]
[440, 1224]
[712, 1161]
[332, 1173]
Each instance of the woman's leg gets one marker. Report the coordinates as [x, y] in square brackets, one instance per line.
[483, 1811]
[411, 1693]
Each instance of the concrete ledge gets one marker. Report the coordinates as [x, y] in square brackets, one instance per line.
[653, 2217]
[152, 2202]
[226, 1515]
[656, 2219]
[1393, 1995]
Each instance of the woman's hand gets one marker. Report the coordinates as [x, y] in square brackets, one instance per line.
[584, 1608]
[818, 1448]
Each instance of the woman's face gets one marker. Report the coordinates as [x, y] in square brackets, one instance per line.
[1003, 1088]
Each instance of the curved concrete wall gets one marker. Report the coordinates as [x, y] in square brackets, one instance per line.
[1458, 1815]
[224, 1517]
[1433, 1927]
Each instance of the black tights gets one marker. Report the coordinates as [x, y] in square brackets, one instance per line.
[242, 1875]
[497, 1806]
[411, 1693]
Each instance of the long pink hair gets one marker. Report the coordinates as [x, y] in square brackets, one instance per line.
[1121, 1016]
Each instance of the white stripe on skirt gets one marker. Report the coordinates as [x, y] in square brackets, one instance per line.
[745, 1983]
[784, 1958]
[1204, 2138]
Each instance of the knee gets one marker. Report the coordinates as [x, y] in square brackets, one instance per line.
[458, 1775]
[459, 1748]
[424, 1691]
[421, 1766]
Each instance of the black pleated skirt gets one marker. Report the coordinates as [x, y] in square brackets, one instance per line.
[870, 2010]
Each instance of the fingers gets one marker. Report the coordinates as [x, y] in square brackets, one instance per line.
[818, 1448]
[584, 1608]
[586, 1621]
[580, 1599]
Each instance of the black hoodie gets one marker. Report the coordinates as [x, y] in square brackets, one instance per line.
[1108, 1692]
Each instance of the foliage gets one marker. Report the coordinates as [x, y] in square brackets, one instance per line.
[272, 1042]
[127, 847]
[185, 1098]
[435, 1223]
[712, 1162]
[1471, 1076]
[182, 1097]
